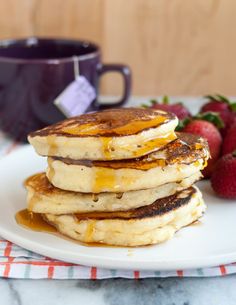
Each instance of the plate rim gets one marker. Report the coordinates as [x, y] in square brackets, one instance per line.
[88, 259]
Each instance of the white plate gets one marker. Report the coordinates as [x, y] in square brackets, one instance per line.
[213, 242]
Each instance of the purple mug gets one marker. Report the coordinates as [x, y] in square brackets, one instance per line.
[33, 72]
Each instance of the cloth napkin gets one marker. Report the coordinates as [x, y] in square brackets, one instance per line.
[16, 262]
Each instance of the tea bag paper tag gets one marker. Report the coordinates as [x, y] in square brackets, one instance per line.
[77, 96]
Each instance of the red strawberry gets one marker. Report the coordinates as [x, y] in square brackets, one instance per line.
[223, 179]
[229, 143]
[178, 108]
[210, 132]
[221, 105]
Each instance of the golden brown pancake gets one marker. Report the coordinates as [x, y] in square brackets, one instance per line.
[159, 207]
[147, 225]
[108, 123]
[177, 160]
[43, 197]
[107, 135]
[187, 148]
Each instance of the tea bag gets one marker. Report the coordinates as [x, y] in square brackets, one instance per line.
[76, 98]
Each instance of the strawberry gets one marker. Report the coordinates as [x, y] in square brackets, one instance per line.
[223, 179]
[178, 108]
[209, 131]
[221, 105]
[229, 143]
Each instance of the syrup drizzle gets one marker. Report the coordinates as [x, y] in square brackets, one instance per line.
[52, 146]
[105, 178]
[141, 149]
[50, 170]
[106, 147]
[151, 145]
[33, 221]
[89, 231]
[109, 123]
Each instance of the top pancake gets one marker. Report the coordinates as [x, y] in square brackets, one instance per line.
[107, 135]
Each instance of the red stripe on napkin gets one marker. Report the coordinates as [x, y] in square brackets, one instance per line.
[136, 275]
[7, 250]
[8, 266]
[50, 272]
[38, 263]
[180, 273]
[222, 270]
[93, 273]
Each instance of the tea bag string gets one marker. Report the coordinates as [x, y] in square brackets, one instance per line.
[76, 66]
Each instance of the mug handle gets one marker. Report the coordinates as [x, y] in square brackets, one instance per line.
[126, 74]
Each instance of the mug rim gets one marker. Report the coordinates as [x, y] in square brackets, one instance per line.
[4, 43]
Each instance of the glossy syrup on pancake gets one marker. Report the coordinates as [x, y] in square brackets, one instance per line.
[108, 126]
[140, 150]
[108, 123]
[41, 185]
[188, 148]
[33, 221]
[36, 222]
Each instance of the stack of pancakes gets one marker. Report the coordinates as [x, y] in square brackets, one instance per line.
[120, 177]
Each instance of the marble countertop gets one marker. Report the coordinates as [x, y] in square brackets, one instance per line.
[169, 291]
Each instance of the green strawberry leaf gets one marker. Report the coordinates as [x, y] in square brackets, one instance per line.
[153, 102]
[150, 103]
[212, 117]
[233, 107]
[144, 106]
[234, 153]
[165, 100]
[223, 99]
[218, 98]
[182, 124]
[212, 97]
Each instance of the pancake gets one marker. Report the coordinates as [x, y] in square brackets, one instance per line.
[107, 135]
[43, 197]
[178, 160]
[146, 225]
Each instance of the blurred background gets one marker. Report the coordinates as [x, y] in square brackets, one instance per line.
[176, 47]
